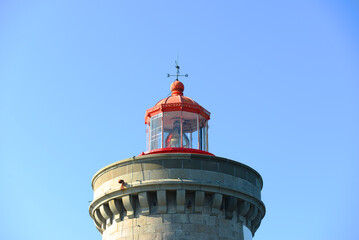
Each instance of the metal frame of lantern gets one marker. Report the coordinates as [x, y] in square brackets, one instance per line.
[162, 120]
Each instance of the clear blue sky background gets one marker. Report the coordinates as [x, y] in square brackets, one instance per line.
[279, 77]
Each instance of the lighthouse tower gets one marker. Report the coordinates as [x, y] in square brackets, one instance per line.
[177, 189]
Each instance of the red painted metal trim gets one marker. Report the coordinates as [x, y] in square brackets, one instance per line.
[171, 107]
[177, 150]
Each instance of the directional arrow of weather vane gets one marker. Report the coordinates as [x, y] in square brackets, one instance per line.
[177, 73]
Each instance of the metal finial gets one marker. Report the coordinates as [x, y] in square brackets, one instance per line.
[177, 73]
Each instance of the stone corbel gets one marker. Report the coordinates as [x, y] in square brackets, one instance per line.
[216, 203]
[180, 197]
[101, 220]
[243, 208]
[161, 200]
[230, 206]
[106, 214]
[257, 220]
[128, 204]
[198, 201]
[116, 209]
[143, 199]
[251, 215]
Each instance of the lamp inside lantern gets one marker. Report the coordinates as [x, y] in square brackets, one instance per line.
[174, 137]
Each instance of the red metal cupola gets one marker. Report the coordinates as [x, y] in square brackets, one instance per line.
[177, 124]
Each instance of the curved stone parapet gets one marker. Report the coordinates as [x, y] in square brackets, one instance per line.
[131, 195]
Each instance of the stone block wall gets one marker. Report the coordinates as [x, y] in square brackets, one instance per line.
[176, 196]
[175, 227]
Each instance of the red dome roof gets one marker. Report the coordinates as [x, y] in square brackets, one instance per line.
[176, 102]
[176, 99]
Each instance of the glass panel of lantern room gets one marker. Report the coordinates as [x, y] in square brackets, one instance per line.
[172, 129]
[202, 133]
[156, 131]
[207, 128]
[190, 130]
[147, 137]
[206, 137]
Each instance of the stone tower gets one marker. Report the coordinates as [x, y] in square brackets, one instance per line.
[177, 189]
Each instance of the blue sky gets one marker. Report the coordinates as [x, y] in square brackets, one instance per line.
[279, 77]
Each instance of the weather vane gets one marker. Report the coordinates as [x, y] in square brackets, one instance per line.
[177, 73]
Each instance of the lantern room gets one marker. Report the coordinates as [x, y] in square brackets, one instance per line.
[177, 124]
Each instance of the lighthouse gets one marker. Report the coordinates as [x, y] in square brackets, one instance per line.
[177, 189]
